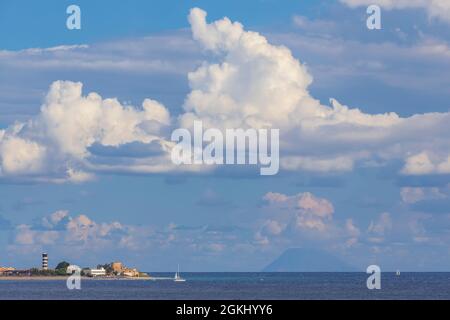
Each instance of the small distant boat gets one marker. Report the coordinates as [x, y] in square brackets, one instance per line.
[397, 273]
[177, 277]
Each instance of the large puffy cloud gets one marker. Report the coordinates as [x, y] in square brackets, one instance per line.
[257, 84]
[251, 83]
[75, 122]
[56, 143]
[237, 92]
[435, 8]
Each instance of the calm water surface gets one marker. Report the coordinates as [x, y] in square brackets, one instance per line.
[241, 286]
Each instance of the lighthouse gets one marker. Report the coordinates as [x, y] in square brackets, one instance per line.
[44, 261]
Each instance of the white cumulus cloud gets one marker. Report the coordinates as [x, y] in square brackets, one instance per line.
[257, 84]
[248, 83]
[56, 143]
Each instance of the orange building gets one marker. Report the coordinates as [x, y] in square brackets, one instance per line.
[117, 267]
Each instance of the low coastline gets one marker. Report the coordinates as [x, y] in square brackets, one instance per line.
[50, 278]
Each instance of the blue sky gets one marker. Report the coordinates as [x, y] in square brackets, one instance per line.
[116, 19]
[367, 189]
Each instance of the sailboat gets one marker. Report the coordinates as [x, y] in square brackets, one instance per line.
[177, 277]
[397, 273]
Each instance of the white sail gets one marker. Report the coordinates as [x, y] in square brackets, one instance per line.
[177, 277]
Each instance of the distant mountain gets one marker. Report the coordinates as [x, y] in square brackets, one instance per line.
[307, 260]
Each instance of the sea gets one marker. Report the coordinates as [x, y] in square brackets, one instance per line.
[240, 286]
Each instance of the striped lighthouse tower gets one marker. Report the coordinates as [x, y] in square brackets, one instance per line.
[44, 261]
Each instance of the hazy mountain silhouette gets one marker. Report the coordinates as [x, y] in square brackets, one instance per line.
[307, 260]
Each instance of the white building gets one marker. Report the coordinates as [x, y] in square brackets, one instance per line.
[96, 272]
